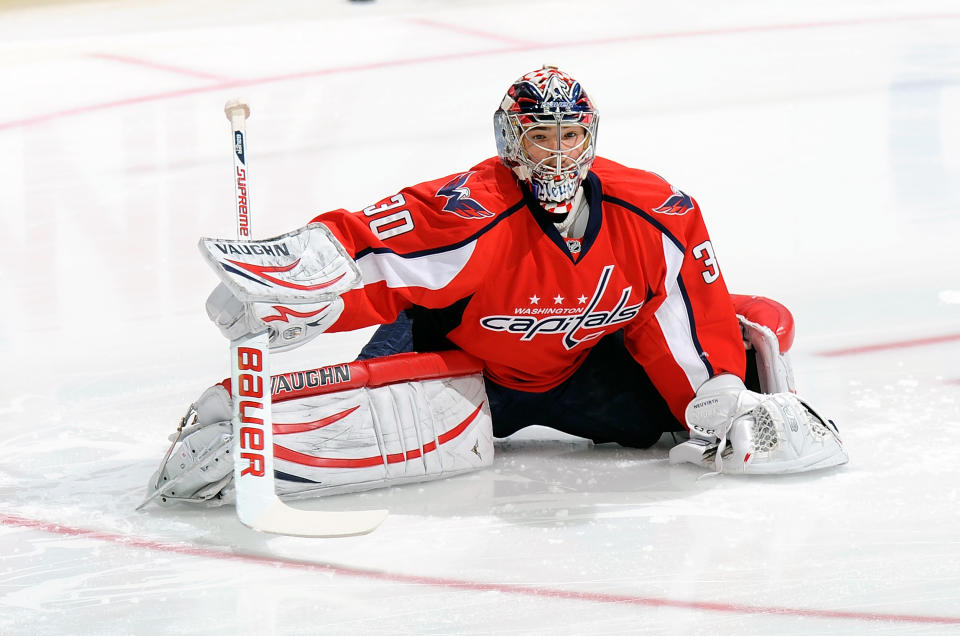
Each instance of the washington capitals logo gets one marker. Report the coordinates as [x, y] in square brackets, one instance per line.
[459, 201]
[586, 324]
[676, 204]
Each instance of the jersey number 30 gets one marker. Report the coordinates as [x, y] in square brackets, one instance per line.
[392, 224]
[704, 251]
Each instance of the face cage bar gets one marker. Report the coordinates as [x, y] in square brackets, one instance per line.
[557, 164]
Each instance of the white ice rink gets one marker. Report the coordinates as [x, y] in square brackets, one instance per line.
[822, 140]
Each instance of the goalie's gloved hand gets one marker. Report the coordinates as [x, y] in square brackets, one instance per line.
[231, 315]
[719, 401]
[289, 325]
[739, 431]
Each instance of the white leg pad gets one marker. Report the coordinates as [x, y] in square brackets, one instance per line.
[773, 367]
[394, 434]
[342, 428]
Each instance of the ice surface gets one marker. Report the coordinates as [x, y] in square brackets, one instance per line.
[822, 140]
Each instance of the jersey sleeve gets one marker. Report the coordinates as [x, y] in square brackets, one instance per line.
[693, 334]
[413, 251]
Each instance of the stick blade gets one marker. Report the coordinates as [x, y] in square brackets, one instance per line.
[279, 518]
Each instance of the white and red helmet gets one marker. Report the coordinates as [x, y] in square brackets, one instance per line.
[537, 101]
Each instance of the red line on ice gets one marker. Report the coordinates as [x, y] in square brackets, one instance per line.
[886, 346]
[142, 99]
[158, 66]
[456, 28]
[462, 584]
[229, 84]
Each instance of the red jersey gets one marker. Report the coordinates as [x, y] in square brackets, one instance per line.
[532, 308]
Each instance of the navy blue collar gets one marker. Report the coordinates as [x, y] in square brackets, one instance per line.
[594, 195]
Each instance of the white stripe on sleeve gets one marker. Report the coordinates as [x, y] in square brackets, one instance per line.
[431, 271]
[675, 320]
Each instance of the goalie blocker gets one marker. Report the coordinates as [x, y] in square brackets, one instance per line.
[341, 428]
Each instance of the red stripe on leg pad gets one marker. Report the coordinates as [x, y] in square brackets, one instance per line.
[405, 367]
[281, 452]
[303, 427]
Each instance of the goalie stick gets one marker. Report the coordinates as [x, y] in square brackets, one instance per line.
[258, 505]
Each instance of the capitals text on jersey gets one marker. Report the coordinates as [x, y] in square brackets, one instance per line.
[569, 325]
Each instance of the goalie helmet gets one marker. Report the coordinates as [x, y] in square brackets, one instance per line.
[546, 130]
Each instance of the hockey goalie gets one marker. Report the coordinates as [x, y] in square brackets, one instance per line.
[545, 286]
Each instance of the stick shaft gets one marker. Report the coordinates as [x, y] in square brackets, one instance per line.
[257, 503]
[237, 112]
[249, 364]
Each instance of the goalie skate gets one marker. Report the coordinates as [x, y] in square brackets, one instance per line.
[198, 464]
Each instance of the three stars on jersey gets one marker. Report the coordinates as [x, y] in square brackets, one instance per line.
[557, 300]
